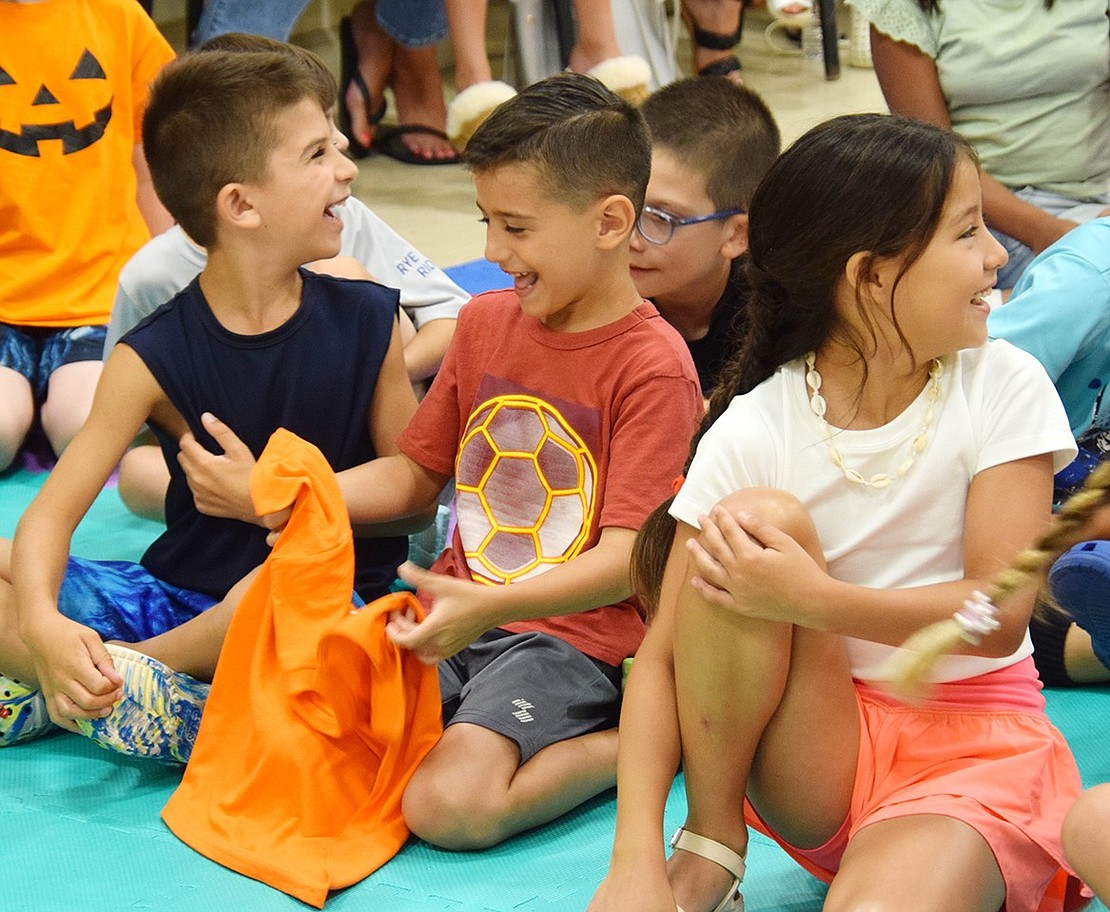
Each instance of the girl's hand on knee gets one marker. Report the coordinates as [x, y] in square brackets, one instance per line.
[749, 566]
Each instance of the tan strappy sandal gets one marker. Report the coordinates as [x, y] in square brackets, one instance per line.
[733, 901]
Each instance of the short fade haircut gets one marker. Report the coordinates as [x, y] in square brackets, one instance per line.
[211, 120]
[244, 43]
[585, 142]
[721, 130]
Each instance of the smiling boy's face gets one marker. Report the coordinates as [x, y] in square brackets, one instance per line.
[692, 265]
[548, 248]
[307, 176]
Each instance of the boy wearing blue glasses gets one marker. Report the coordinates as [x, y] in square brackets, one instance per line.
[712, 142]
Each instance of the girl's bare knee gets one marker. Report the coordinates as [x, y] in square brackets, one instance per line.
[779, 508]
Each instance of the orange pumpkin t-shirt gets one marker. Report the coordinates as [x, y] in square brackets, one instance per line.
[73, 85]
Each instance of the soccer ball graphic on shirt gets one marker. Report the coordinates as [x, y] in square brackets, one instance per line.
[524, 489]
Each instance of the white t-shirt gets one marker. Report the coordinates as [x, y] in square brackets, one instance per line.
[997, 405]
[170, 261]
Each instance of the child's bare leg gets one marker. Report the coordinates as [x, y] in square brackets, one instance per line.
[944, 864]
[1087, 839]
[470, 792]
[15, 660]
[143, 480]
[69, 396]
[597, 38]
[17, 410]
[194, 647]
[765, 709]
[466, 20]
[1079, 658]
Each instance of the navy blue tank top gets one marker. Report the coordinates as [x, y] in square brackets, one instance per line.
[314, 375]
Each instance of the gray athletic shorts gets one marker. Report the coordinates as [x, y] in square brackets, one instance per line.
[532, 688]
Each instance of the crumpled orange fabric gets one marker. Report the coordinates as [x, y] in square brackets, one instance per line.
[315, 721]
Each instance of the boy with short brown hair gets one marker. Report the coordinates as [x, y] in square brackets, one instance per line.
[244, 155]
[712, 142]
[563, 410]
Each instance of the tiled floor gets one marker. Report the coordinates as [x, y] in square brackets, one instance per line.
[434, 206]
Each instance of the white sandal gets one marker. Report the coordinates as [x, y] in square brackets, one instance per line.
[683, 839]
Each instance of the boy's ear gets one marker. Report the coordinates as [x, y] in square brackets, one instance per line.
[616, 219]
[737, 240]
[235, 208]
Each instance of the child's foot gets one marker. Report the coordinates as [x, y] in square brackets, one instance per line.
[23, 714]
[1080, 583]
[159, 714]
[705, 874]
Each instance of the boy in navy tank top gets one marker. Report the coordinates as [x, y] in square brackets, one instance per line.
[245, 158]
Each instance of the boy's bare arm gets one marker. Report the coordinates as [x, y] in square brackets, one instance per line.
[464, 610]
[394, 402]
[68, 659]
[390, 488]
[424, 352]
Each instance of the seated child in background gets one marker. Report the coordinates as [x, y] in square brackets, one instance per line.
[1060, 313]
[76, 199]
[712, 141]
[243, 155]
[168, 262]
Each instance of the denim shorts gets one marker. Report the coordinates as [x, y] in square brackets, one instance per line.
[532, 688]
[121, 600]
[413, 23]
[37, 351]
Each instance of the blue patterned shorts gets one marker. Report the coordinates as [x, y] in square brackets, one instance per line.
[37, 351]
[121, 600]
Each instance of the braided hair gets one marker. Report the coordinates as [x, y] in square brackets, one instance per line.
[908, 670]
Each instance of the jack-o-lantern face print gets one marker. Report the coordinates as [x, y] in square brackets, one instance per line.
[43, 121]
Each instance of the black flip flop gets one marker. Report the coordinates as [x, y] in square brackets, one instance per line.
[391, 141]
[348, 75]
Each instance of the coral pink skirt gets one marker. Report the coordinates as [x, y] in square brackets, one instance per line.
[998, 765]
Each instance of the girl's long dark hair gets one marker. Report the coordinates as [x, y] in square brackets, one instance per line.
[870, 183]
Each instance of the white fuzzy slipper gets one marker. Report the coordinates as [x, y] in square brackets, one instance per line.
[628, 76]
[473, 105]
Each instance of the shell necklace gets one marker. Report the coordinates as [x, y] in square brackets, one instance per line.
[917, 445]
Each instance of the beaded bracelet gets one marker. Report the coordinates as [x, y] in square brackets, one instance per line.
[977, 618]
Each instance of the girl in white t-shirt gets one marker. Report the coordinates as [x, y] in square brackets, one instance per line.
[867, 461]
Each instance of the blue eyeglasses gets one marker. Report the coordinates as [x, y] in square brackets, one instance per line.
[658, 227]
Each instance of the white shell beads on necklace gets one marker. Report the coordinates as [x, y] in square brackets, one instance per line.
[880, 479]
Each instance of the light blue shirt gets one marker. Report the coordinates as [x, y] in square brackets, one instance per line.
[1059, 312]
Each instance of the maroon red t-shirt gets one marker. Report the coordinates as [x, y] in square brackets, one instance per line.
[552, 437]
